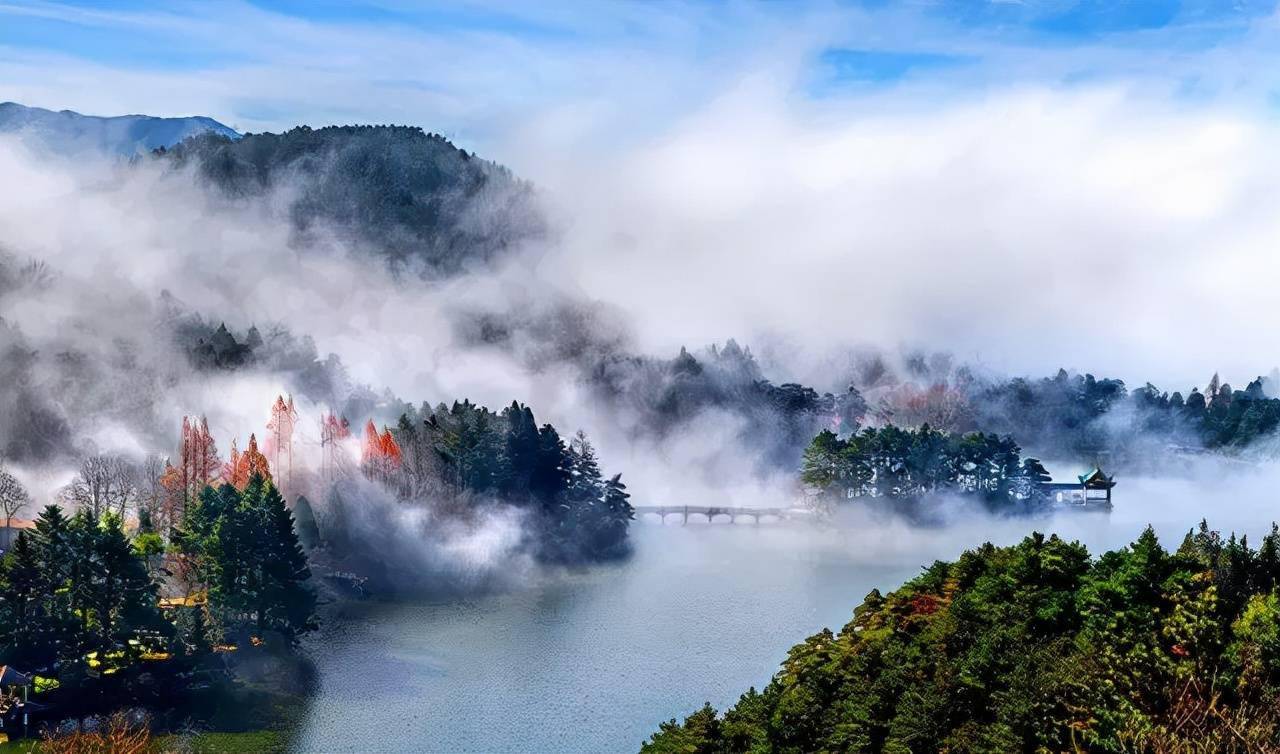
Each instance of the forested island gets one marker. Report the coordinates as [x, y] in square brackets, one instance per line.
[1034, 647]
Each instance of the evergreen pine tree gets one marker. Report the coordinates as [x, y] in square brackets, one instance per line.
[611, 532]
[287, 604]
[119, 594]
[261, 568]
[28, 637]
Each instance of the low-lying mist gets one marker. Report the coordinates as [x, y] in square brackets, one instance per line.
[823, 239]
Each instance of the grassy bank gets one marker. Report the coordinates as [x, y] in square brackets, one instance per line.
[250, 742]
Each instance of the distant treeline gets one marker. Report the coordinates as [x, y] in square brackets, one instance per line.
[901, 463]
[660, 397]
[1083, 415]
[1036, 647]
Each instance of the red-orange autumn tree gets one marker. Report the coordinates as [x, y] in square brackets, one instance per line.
[382, 456]
[242, 466]
[280, 442]
[198, 466]
[332, 432]
[940, 406]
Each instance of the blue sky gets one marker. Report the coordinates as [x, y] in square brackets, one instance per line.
[855, 43]
[884, 147]
[477, 70]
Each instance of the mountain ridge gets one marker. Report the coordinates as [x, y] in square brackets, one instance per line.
[71, 132]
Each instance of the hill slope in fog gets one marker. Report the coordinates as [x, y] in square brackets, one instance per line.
[398, 192]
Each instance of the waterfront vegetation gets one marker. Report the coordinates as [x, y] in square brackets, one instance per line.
[1033, 647]
[253, 742]
[178, 612]
[80, 610]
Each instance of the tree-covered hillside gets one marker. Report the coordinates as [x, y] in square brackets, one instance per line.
[1033, 648]
[403, 194]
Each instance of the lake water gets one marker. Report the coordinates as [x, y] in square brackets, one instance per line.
[592, 662]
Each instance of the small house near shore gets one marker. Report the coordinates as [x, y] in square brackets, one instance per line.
[1090, 490]
[9, 533]
[15, 698]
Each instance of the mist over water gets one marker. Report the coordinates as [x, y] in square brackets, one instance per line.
[998, 197]
[594, 660]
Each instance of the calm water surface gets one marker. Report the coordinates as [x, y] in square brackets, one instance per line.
[594, 661]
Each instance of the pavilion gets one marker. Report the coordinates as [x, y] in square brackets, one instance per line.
[1091, 490]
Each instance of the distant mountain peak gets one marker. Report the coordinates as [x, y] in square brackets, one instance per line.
[70, 133]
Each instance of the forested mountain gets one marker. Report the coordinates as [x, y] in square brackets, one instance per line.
[1036, 647]
[402, 194]
[66, 132]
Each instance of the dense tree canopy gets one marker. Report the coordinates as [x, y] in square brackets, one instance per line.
[910, 463]
[1035, 647]
[248, 558]
[76, 594]
[472, 456]
[1082, 415]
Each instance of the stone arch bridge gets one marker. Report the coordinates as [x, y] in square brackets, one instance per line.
[726, 514]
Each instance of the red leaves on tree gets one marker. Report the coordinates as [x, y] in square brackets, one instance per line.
[255, 460]
[925, 604]
[372, 447]
[381, 455]
[198, 466]
[243, 466]
[940, 406]
[332, 431]
[389, 448]
[236, 473]
[280, 441]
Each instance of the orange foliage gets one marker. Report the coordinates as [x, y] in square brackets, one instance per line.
[381, 456]
[284, 417]
[117, 734]
[940, 406]
[242, 466]
[198, 466]
[389, 448]
[236, 471]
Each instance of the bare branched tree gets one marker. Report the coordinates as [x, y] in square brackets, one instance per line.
[13, 496]
[151, 490]
[104, 484]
